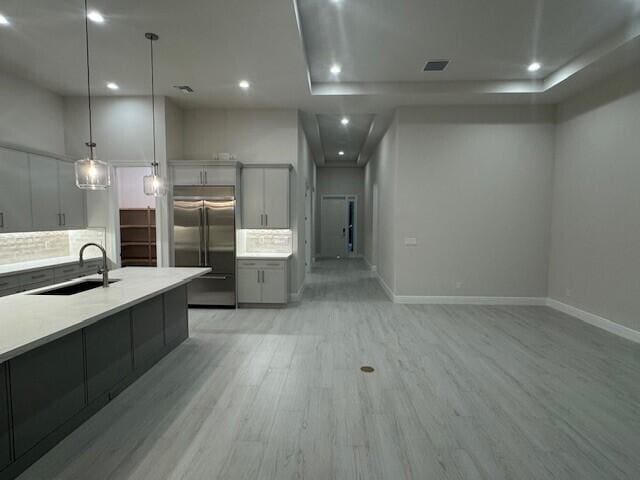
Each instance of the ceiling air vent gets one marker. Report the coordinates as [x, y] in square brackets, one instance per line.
[436, 65]
[184, 88]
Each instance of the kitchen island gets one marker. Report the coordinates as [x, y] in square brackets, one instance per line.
[63, 357]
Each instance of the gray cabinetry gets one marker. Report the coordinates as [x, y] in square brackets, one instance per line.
[252, 198]
[38, 192]
[5, 443]
[148, 332]
[47, 392]
[109, 356]
[262, 281]
[72, 199]
[43, 174]
[47, 389]
[249, 287]
[265, 197]
[204, 174]
[15, 196]
[176, 316]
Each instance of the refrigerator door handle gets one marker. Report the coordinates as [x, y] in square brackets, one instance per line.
[200, 263]
[205, 211]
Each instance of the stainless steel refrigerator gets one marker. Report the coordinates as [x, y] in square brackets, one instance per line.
[204, 235]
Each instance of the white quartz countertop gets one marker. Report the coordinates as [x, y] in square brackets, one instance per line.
[28, 321]
[263, 256]
[25, 267]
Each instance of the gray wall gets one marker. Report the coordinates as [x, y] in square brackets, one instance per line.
[303, 182]
[337, 180]
[595, 246]
[381, 171]
[30, 116]
[474, 188]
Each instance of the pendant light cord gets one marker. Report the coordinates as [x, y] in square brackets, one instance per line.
[91, 145]
[153, 109]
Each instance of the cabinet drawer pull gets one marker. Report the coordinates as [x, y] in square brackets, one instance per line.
[35, 277]
[4, 284]
[1, 219]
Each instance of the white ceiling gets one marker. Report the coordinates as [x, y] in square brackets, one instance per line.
[391, 40]
[284, 47]
[350, 139]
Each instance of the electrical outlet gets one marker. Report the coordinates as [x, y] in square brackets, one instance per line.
[411, 241]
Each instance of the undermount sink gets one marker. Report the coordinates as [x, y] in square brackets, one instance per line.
[74, 288]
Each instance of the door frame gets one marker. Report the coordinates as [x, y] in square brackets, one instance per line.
[347, 197]
[162, 218]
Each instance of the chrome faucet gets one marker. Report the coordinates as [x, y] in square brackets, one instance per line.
[105, 269]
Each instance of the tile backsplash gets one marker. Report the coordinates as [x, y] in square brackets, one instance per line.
[265, 241]
[30, 246]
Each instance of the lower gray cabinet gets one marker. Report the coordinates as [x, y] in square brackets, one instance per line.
[109, 355]
[47, 389]
[148, 332]
[176, 316]
[5, 444]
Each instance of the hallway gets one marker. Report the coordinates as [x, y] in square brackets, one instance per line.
[458, 392]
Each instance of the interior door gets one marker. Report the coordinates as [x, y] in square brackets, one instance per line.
[187, 233]
[45, 192]
[219, 235]
[334, 227]
[72, 200]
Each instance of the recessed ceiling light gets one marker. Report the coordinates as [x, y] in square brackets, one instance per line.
[3, 20]
[344, 121]
[95, 16]
[335, 69]
[112, 86]
[244, 84]
[534, 67]
[341, 153]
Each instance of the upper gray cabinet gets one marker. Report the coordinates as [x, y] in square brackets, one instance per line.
[204, 174]
[45, 189]
[38, 192]
[56, 201]
[265, 197]
[15, 195]
[72, 199]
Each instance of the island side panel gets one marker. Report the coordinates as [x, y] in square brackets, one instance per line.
[5, 442]
[109, 353]
[148, 333]
[47, 389]
[176, 317]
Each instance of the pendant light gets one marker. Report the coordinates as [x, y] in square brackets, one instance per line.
[154, 184]
[91, 173]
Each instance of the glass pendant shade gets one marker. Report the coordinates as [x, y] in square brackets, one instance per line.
[92, 174]
[154, 185]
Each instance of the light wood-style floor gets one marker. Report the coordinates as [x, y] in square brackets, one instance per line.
[459, 392]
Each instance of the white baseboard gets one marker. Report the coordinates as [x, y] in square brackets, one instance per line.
[296, 296]
[595, 320]
[373, 268]
[462, 300]
[587, 317]
[385, 287]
